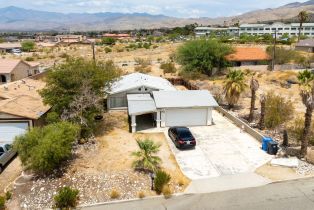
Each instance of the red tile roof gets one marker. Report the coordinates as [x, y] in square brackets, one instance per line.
[248, 54]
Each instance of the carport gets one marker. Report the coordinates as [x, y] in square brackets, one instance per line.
[139, 105]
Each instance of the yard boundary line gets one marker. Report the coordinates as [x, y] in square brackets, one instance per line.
[241, 124]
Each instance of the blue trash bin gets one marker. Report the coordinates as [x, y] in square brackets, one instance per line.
[265, 143]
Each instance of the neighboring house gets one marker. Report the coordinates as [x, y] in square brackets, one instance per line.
[248, 56]
[136, 83]
[8, 47]
[46, 38]
[13, 70]
[70, 39]
[306, 45]
[21, 108]
[155, 97]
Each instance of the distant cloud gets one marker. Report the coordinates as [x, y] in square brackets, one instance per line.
[177, 8]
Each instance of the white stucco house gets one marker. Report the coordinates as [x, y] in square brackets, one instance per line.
[144, 95]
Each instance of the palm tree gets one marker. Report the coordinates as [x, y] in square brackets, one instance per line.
[234, 86]
[306, 80]
[254, 85]
[145, 156]
[263, 109]
[303, 17]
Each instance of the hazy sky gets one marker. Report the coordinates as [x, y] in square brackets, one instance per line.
[177, 8]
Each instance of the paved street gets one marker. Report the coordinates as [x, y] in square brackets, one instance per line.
[222, 149]
[290, 195]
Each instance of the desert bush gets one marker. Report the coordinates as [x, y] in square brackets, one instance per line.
[278, 110]
[120, 50]
[66, 198]
[108, 41]
[2, 203]
[168, 67]
[29, 59]
[142, 69]
[8, 195]
[64, 55]
[161, 179]
[143, 62]
[28, 45]
[114, 194]
[44, 149]
[295, 130]
[108, 50]
[193, 75]
[284, 56]
[166, 191]
[141, 194]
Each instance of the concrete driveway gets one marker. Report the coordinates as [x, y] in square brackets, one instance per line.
[222, 149]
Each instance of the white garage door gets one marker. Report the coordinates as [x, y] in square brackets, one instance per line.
[186, 117]
[8, 131]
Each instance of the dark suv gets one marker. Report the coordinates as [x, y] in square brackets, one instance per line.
[182, 137]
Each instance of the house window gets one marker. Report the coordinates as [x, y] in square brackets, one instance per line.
[293, 29]
[267, 29]
[287, 28]
[280, 28]
[118, 102]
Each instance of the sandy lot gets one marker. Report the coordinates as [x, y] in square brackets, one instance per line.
[99, 168]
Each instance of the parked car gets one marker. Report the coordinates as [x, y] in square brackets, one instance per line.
[16, 51]
[182, 137]
[6, 154]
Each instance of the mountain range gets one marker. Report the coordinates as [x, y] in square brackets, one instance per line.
[19, 19]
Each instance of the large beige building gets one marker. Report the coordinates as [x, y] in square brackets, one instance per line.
[12, 70]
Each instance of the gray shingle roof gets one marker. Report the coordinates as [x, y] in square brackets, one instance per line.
[184, 99]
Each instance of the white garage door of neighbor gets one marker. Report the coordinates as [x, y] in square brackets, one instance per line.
[186, 117]
[8, 131]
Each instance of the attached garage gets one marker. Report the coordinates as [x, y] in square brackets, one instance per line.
[10, 130]
[184, 108]
[183, 117]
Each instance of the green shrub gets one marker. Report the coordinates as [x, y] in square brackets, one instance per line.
[28, 45]
[161, 179]
[2, 203]
[108, 41]
[52, 117]
[66, 198]
[108, 49]
[44, 149]
[29, 59]
[278, 110]
[8, 195]
[203, 55]
[168, 67]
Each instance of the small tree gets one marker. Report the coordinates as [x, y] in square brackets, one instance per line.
[306, 80]
[75, 87]
[108, 41]
[303, 17]
[254, 85]
[145, 158]
[203, 55]
[28, 46]
[66, 198]
[234, 86]
[263, 108]
[44, 149]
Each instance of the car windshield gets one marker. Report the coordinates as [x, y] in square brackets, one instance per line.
[184, 133]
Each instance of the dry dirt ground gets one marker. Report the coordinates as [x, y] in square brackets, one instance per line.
[10, 173]
[100, 168]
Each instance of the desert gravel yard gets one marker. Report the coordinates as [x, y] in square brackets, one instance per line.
[222, 149]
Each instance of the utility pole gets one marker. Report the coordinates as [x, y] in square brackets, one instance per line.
[274, 51]
[93, 47]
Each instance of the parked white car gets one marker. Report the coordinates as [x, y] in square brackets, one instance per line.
[16, 51]
[6, 154]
